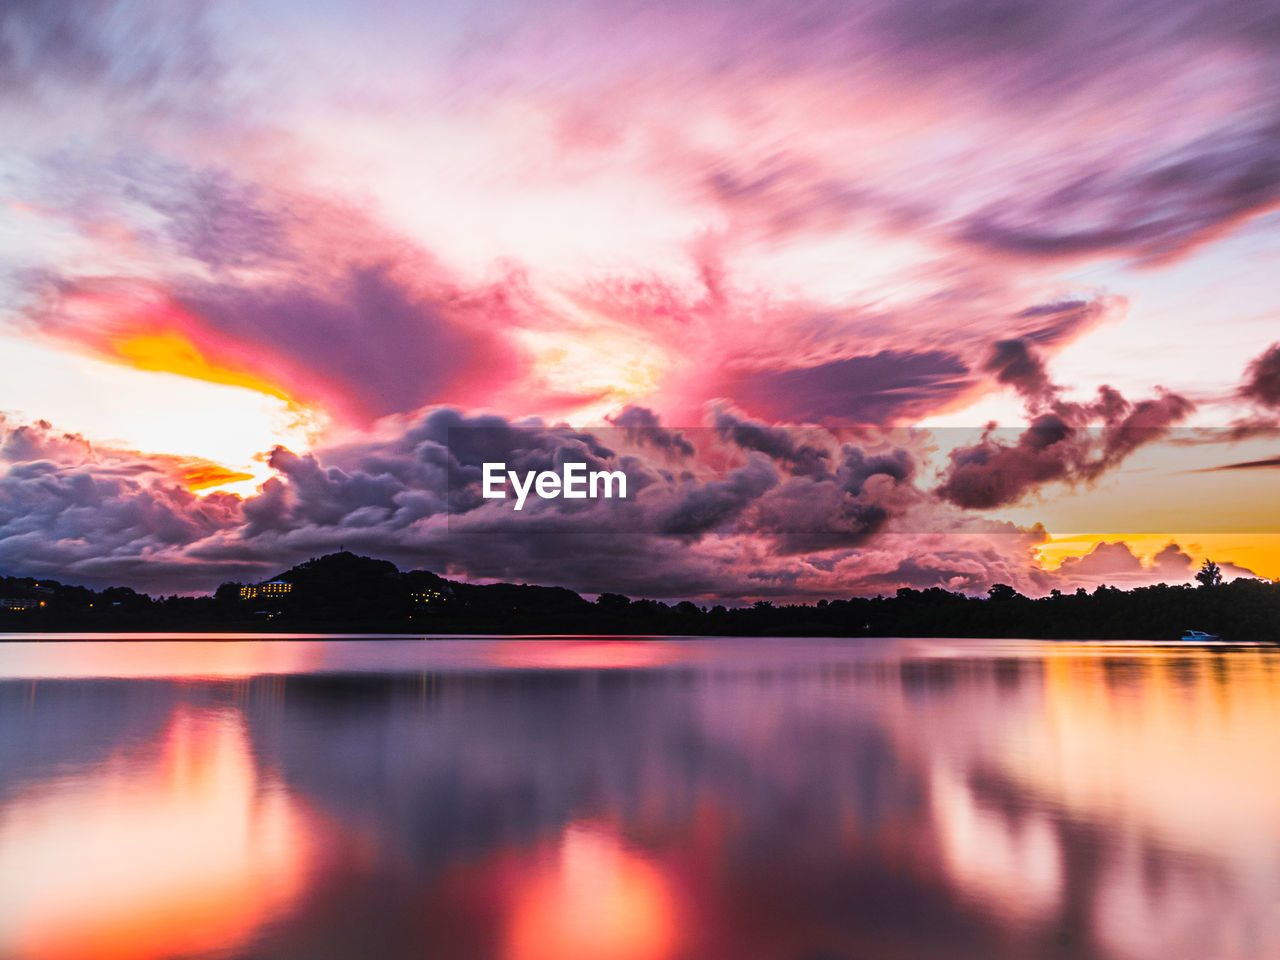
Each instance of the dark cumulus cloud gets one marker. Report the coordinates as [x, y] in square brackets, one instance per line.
[1261, 389]
[807, 515]
[1066, 441]
[1014, 363]
[106, 525]
[389, 497]
[1262, 379]
[642, 426]
[826, 498]
[94, 515]
[875, 389]
[1115, 561]
[699, 507]
[23, 442]
[743, 528]
[756, 527]
[433, 468]
[787, 445]
[913, 573]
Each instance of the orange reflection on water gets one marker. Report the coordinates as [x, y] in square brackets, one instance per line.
[177, 847]
[1168, 739]
[1153, 756]
[593, 900]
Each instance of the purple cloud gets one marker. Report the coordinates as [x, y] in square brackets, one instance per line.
[875, 389]
[1066, 441]
[1262, 383]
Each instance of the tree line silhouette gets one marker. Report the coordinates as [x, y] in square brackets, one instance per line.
[344, 592]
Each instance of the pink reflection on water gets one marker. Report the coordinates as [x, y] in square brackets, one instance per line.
[582, 893]
[1015, 867]
[589, 654]
[178, 846]
[1054, 800]
[207, 657]
[592, 899]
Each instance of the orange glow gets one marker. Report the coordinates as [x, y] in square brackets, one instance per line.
[171, 352]
[141, 326]
[1160, 748]
[595, 900]
[1259, 552]
[597, 371]
[209, 398]
[206, 476]
[177, 847]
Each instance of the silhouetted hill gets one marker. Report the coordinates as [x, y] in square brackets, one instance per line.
[343, 586]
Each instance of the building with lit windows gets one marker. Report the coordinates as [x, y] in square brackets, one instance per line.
[431, 596]
[272, 588]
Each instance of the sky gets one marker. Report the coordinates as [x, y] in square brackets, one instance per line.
[861, 295]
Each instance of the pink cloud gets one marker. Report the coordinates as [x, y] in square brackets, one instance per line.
[1114, 563]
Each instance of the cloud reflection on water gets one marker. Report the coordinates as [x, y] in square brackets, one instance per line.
[520, 800]
[178, 846]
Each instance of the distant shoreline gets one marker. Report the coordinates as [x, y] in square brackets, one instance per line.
[232, 636]
[344, 594]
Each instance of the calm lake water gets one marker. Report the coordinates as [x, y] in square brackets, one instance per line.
[580, 799]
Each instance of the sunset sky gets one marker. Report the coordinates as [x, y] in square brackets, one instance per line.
[784, 262]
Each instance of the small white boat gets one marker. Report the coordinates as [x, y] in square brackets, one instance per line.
[1197, 635]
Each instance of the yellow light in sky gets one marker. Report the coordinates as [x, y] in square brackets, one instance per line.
[1259, 552]
[135, 407]
[597, 371]
[173, 353]
[211, 476]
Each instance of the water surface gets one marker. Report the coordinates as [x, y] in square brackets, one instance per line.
[520, 799]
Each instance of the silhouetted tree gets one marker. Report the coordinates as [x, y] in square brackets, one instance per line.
[1210, 574]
